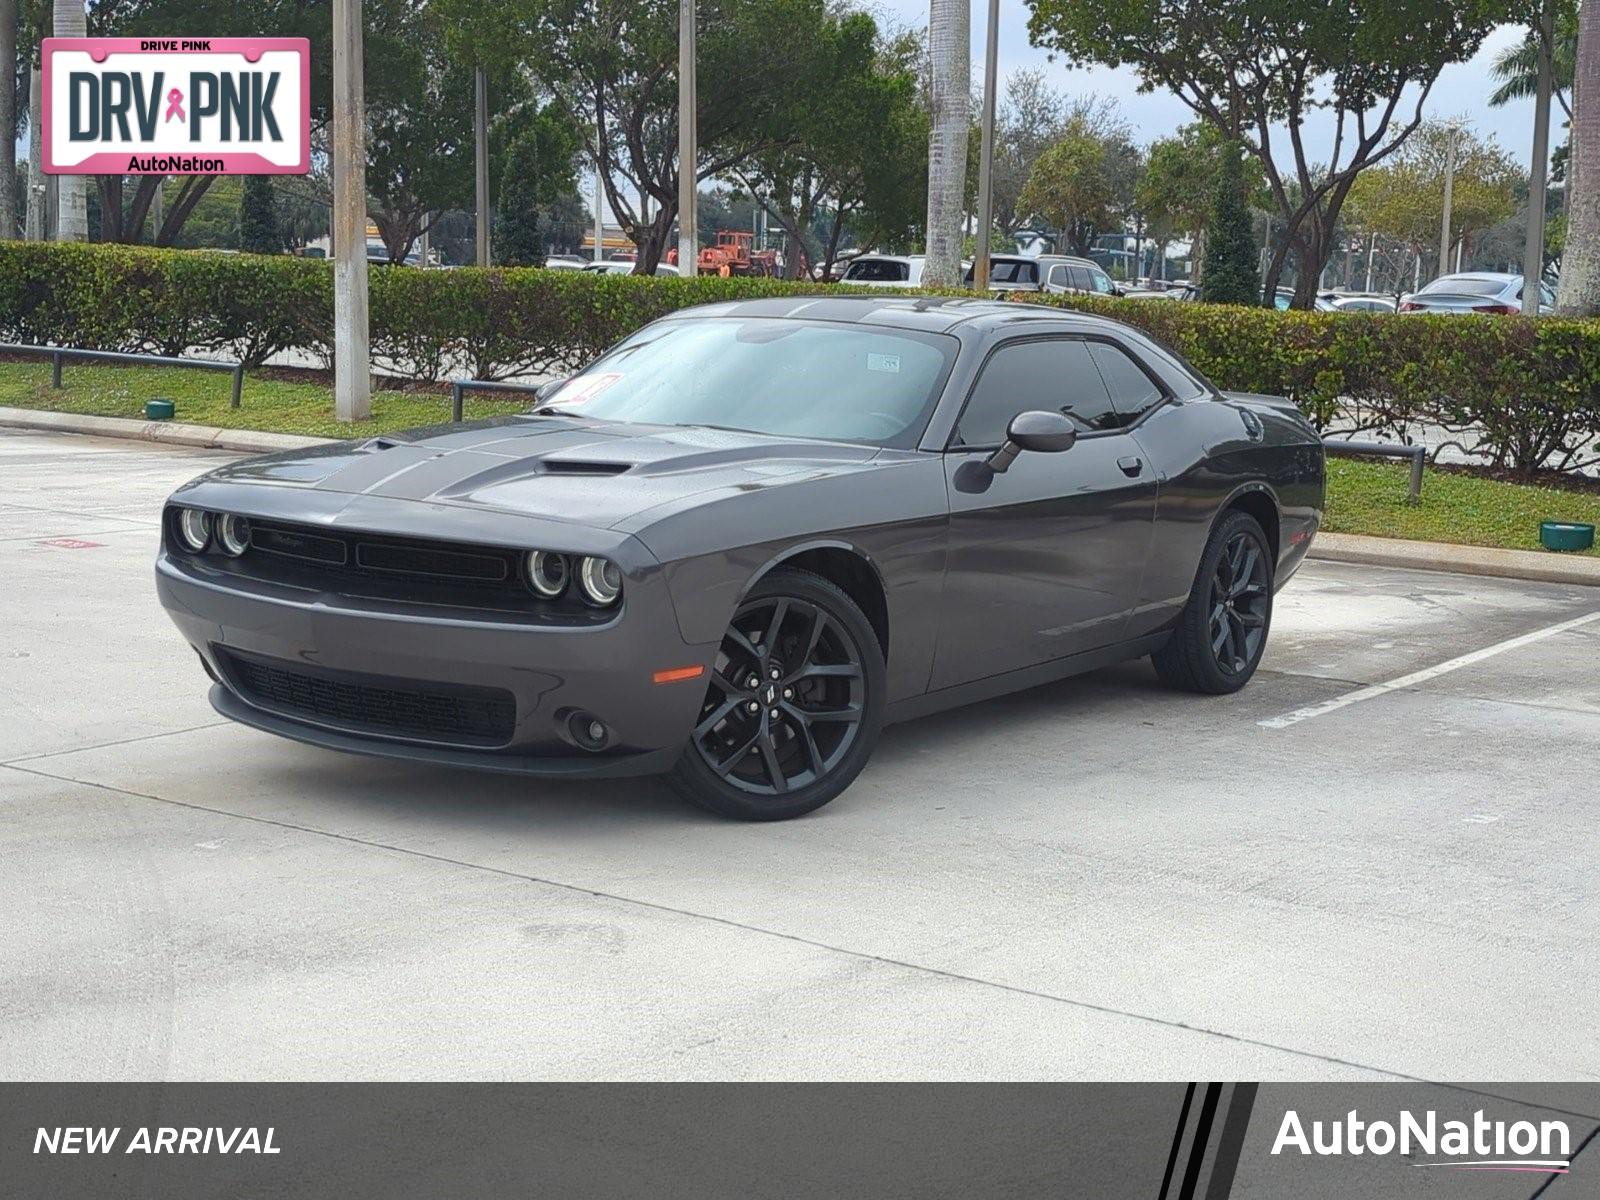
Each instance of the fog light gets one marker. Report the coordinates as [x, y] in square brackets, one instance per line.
[233, 534]
[588, 731]
[194, 529]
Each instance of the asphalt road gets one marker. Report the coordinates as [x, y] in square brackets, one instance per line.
[1317, 878]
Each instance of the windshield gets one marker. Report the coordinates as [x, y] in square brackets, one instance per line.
[808, 379]
[877, 270]
[1465, 286]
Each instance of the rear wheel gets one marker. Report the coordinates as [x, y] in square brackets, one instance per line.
[1222, 633]
[794, 705]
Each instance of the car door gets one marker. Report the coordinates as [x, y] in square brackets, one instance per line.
[1046, 559]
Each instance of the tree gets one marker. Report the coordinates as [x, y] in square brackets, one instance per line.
[1579, 291]
[1254, 69]
[950, 74]
[1230, 274]
[1517, 66]
[259, 231]
[534, 208]
[1031, 117]
[1083, 184]
[8, 118]
[1404, 197]
[614, 63]
[855, 137]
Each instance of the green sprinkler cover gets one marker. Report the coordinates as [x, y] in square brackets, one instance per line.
[1566, 535]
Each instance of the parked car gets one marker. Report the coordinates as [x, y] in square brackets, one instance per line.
[1057, 273]
[625, 267]
[1368, 304]
[1487, 292]
[884, 270]
[745, 538]
[566, 262]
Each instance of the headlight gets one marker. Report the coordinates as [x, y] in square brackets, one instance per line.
[547, 573]
[600, 580]
[233, 534]
[194, 529]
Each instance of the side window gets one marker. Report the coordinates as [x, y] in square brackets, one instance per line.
[1102, 283]
[1133, 393]
[1052, 374]
[1059, 276]
[1080, 278]
[1028, 273]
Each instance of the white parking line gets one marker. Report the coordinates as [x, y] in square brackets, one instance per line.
[1422, 676]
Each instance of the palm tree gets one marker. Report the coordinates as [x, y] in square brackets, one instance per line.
[1517, 66]
[8, 118]
[1579, 291]
[72, 225]
[950, 62]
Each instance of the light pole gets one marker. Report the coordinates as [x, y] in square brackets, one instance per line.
[980, 263]
[480, 163]
[352, 369]
[1533, 250]
[688, 154]
[1449, 195]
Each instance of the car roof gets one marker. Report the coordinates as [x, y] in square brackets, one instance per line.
[1488, 276]
[899, 258]
[929, 314]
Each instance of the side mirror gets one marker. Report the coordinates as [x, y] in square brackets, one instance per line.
[1045, 432]
[546, 390]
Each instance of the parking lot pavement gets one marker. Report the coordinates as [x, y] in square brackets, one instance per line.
[1094, 879]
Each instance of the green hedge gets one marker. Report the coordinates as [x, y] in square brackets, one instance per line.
[1524, 391]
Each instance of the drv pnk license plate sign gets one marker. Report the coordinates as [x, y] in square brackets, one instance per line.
[177, 106]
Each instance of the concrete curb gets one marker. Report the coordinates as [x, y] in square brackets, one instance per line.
[1541, 566]
[172, 433]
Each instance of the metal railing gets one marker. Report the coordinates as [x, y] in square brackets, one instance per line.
[1418, 455]
[460, 387]
[59, 354]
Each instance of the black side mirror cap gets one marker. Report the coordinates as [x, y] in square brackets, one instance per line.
[1044, 432]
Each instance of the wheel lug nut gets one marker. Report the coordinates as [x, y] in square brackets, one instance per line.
[773, 714]
[788, 693]
[753, 681]
[777, 674]
[754, 707]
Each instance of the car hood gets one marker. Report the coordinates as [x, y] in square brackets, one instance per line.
[595, 473]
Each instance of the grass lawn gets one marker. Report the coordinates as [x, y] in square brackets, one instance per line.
[202, 399]
[1363, 497]
[1370, 498]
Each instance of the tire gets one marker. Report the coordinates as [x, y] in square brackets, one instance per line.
[754, 766]
[1222, 632]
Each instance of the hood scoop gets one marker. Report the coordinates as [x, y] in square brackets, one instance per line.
[568, 466]
[374, 444]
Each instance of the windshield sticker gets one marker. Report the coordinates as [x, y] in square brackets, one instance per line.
[584, 388]
[884, 362]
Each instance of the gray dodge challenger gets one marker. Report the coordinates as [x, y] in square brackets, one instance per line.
[744, 539]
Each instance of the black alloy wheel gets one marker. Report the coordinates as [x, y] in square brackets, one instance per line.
[1241, 597]
[1221, 634]
[793, 704]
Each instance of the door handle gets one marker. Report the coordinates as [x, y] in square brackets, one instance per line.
[1131, 465]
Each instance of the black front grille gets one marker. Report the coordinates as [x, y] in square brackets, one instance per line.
[434, 712]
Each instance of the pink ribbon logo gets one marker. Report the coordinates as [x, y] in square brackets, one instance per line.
[175, 105]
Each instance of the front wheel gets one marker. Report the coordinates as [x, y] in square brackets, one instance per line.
[1222, 632]
[794, 705]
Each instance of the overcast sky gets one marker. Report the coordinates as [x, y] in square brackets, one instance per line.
[1461, 92]
[1462, 89]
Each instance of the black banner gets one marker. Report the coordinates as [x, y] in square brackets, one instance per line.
[1106, 1141]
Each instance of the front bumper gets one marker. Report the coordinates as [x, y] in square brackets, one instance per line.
[549, 672]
